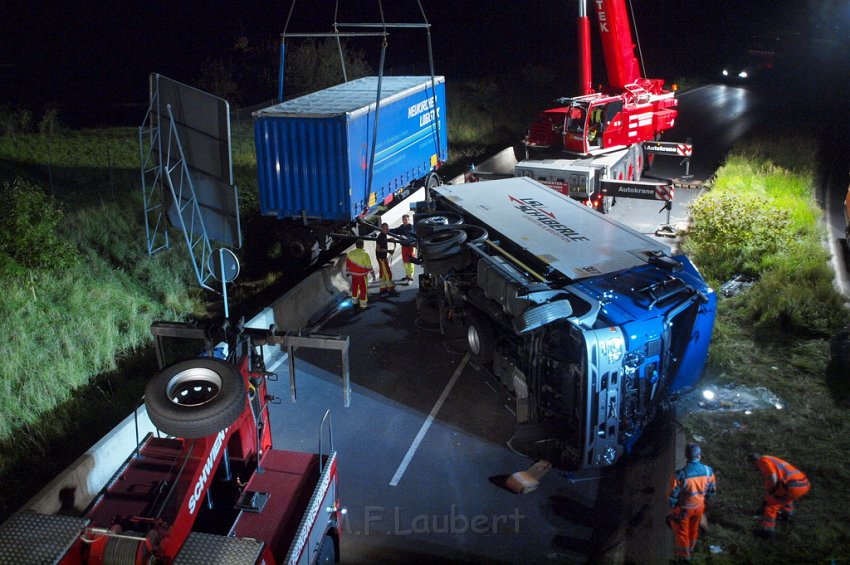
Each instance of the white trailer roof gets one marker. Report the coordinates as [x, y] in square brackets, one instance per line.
[352, 97]
[568, 236]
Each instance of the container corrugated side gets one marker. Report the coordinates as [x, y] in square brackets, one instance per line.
[316, 164]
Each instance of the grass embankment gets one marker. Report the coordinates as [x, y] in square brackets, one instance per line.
[760, 219]
[80, 292]
[79, 295]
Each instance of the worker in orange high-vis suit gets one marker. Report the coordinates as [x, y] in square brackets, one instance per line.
[690, 487]
[783, 484]
[358, 265]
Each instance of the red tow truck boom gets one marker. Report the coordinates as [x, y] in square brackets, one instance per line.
[210, 488]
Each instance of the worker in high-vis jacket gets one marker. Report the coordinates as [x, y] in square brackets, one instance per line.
[358, 265]
[690, 487]
[783, 484]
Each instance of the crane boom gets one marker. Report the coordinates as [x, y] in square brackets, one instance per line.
[617, 43]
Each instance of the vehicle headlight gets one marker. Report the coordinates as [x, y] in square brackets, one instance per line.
[725, 73]
[742, 74]
[615, 350]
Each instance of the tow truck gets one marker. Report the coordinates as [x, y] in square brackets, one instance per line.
[595, 146]
[208, 487]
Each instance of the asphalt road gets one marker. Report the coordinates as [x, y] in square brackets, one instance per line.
[424, 447]
[713, 117]
[427, 438]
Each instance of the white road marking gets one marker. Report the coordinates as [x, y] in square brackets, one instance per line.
[427, 424]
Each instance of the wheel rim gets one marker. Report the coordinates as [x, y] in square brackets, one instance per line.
[437, 221]
[474, 340]
[194, 387]
[297, 249]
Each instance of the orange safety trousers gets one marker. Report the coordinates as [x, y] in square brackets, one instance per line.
[358, 289]
[408, 253]
[685, 525]
[386, 275]
[358, 265]
[791, 485]
[781, 499]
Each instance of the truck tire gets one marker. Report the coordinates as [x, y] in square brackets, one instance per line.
[327, 551]
[440, 243]
[300, 246]
[433, 180]
[426, 224]
[195, 398]
[480, 338]
[475, 234]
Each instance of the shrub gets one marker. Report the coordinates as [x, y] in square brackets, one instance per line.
[760, 219]
[28, 229]
[736, 233]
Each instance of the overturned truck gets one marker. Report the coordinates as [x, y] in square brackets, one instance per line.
[592, 325]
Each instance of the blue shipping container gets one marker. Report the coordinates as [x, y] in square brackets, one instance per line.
[313, 151]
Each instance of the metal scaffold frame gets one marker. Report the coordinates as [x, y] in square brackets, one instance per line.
[164, 168]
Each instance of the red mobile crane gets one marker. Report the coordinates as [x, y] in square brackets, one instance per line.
[599, 136]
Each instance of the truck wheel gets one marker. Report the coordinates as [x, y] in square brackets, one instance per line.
[480, 338]
[475, 234]
[432, 181]
[195, 398]
[327, 551]
[426, 224]
[300, 246]
[440, 242]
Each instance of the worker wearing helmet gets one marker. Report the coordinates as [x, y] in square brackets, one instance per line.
[358, 265]
[690, 487]
[784, 484]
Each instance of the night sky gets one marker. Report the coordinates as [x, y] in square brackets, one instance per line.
[98, 54]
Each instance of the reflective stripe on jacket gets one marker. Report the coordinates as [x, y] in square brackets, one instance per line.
[358, 262]
[786, 474]
[692, 485]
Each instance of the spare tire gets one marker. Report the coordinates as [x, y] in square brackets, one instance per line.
[195, 398]
[439, 243]
[427, 223]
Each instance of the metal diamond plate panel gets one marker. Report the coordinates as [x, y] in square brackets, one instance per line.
[209, 549]
[30, 537]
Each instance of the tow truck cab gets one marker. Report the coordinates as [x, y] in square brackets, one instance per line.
[589, 323]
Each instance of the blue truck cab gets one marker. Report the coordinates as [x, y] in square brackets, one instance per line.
[592, 325]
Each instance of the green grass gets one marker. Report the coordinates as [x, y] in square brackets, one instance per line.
[760, 218]
[63, 328]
